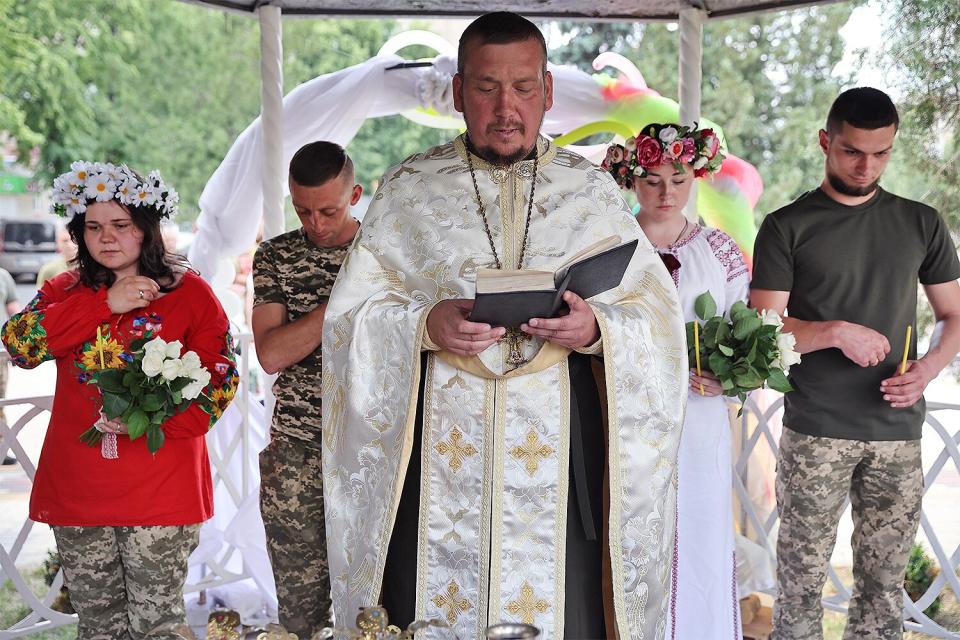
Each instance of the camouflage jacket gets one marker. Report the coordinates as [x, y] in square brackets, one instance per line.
[292, 271]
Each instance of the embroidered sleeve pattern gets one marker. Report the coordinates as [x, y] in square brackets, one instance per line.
[25, 336]
[224, 381]
[728, 253]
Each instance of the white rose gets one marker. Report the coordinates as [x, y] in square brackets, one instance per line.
[172, 369]
[192, 390]
[157, 344]
[771, 317]
[630, 144]
[788, 356]
[668, 135]
[701, 162]
[174, 348]
[199, 374]
[152, 363]
[190, 360]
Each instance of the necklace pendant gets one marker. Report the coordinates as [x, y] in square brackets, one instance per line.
[515, 342]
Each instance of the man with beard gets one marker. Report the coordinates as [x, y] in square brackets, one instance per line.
[464, 466]
[844, 261]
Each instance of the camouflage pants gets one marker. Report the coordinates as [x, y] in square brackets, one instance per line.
[884, 480]
[291, 503]
[126, 583]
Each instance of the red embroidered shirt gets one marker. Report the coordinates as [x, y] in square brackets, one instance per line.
[76, 486]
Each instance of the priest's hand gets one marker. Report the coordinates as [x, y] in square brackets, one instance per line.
[575, 330]
[450, 330]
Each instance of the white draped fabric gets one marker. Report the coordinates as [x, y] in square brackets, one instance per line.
[233, 542]
[333, 107]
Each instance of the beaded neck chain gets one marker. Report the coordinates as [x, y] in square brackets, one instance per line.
[483, 213]
[514, 337]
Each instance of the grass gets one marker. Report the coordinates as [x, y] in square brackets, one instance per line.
[12, 608]
[833, 623]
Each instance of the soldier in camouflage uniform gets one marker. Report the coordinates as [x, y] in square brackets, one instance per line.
[846, 259]
[293, 274]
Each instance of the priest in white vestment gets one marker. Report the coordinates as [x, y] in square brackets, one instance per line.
[479, 476]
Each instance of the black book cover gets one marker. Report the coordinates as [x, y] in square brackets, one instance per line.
[586, 278]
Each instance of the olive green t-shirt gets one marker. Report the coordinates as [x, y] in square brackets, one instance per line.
[860, 264]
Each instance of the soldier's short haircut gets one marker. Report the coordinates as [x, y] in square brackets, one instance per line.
[863, 108]
[500, 27]
[319, 162]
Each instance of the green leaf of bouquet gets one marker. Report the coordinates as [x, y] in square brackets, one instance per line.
[154, 438]
[723, 333]
[179, 383]
[131, 380]
[739, 310]
[137, 345]
[110, 380]
[158, 417]
[749, 380]
[137, 424]
[745, 326]
[725, 350]
[704, 306]
[727, 384]
[114, 405]
[778, 381]
[709, 337]
[718, 364]
[176, 397]
[151, 402]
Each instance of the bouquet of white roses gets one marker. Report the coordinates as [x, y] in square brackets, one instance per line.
[156, 384]
[745, 352]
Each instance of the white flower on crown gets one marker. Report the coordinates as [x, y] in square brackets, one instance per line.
[105, 181]
[127, 189]
[81, 170]
[701, 162]
[100, 186]
[145, 195]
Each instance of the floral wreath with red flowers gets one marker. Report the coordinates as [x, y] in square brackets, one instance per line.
[659, 144]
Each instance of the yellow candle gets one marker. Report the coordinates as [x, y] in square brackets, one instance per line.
[100, 347]
[906, 350]
[696, 348]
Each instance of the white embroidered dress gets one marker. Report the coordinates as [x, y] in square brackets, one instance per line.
[705, 591]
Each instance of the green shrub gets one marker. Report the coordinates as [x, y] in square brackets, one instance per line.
[920, 574]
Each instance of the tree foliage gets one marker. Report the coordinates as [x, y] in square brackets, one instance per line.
[923, 54]
[168, 85]
[767, 80]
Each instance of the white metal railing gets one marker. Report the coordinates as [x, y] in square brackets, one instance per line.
[759, 521]
[757, 434]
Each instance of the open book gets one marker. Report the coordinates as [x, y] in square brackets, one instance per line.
[508, 298]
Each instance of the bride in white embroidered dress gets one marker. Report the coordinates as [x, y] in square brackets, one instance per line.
[661, 164]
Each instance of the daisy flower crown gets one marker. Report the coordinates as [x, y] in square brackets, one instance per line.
[102, 182]
[660, 144]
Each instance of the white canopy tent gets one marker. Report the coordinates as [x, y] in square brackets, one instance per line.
[218, 235]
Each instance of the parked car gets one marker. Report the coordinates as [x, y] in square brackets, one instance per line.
[26, 244]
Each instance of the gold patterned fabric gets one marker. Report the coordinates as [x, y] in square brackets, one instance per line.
[494, 465]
